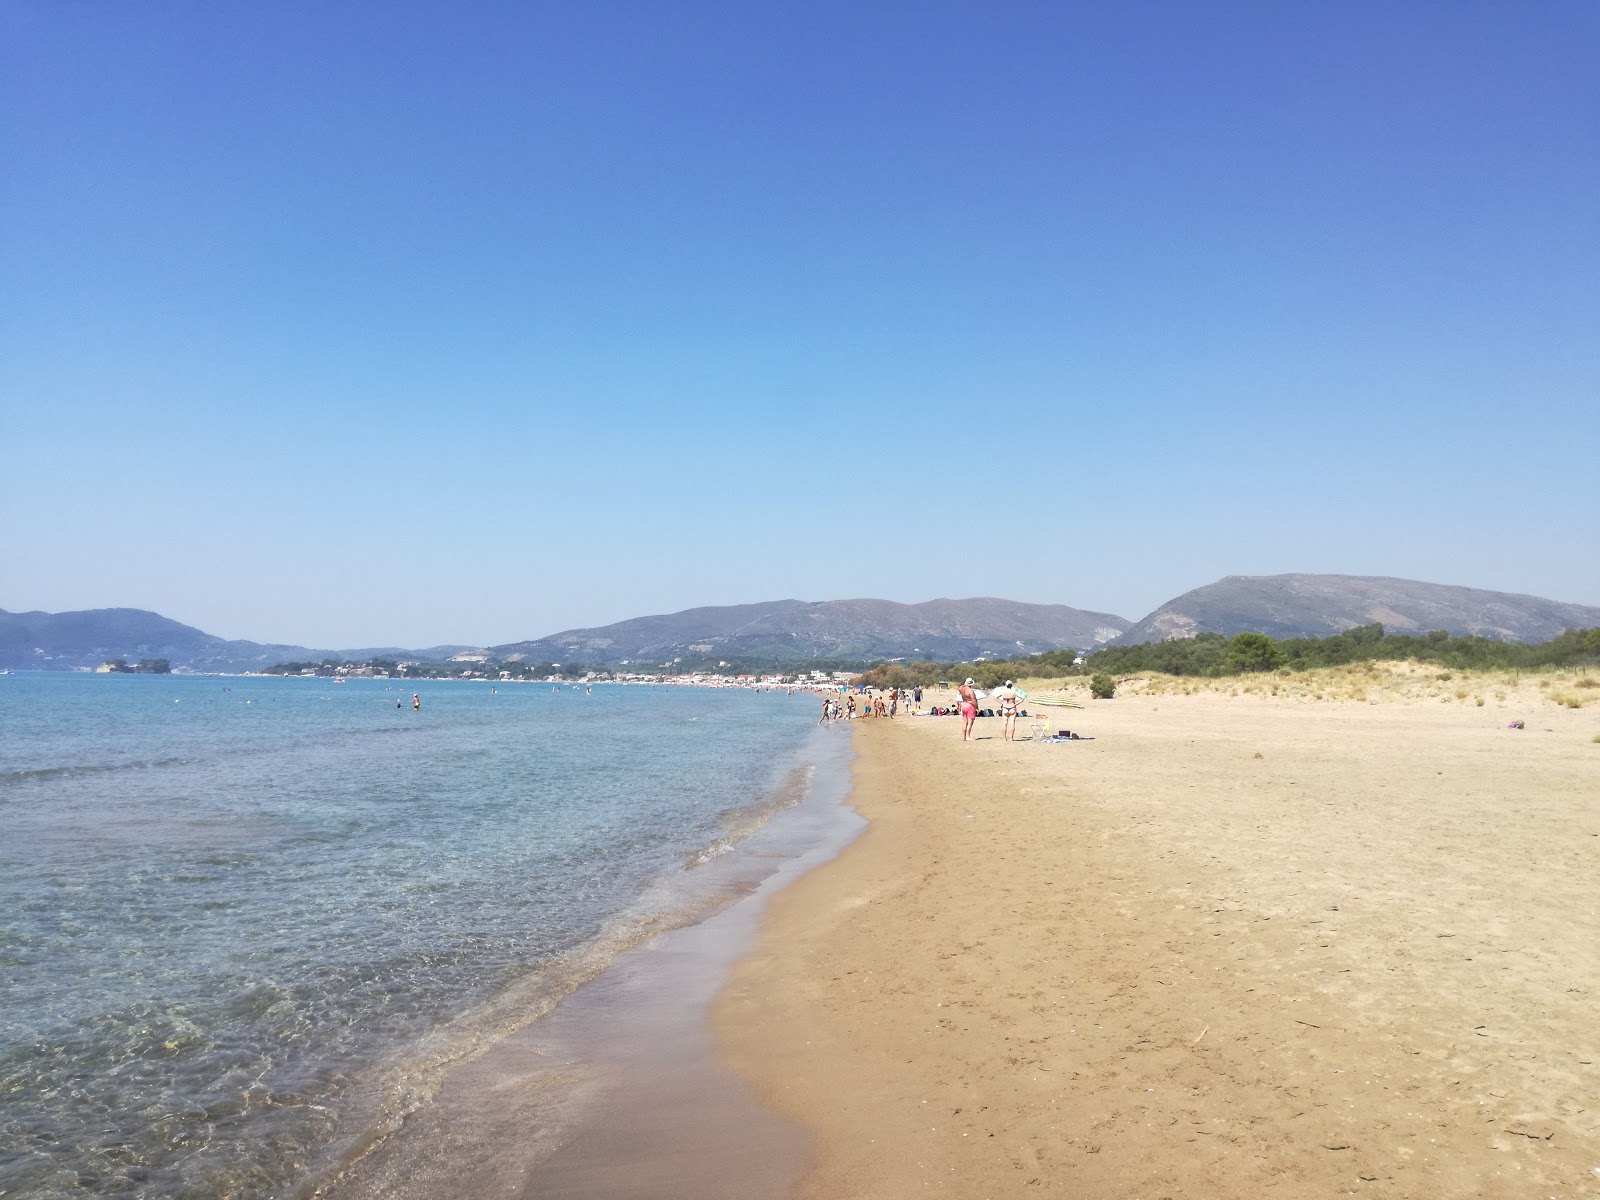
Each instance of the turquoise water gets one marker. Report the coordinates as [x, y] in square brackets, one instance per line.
[242, 920]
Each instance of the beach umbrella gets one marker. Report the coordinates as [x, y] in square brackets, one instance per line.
[1056, 702]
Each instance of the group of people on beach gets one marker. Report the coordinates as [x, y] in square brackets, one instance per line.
[871, 705]
[1008, 700]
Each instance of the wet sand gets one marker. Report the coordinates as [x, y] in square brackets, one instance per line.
[1234, 946]
[617, 1092]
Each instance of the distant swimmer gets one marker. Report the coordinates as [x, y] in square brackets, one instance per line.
[416, 702]
[397, 704]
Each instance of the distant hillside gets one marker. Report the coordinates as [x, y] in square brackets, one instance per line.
[41, 641]
[798, 630]
[1319, 605]
[778, 630]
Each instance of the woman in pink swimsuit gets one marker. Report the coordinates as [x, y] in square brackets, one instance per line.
[969, 709]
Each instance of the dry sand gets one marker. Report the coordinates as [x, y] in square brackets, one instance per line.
[1231, 947]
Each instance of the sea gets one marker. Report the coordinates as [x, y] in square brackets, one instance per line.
[248, 924]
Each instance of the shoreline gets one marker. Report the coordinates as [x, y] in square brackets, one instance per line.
[1232, 946]
[613, 1089]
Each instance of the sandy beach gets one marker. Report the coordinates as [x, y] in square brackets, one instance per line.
[1236, 945]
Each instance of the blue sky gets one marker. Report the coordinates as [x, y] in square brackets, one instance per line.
[354, 324]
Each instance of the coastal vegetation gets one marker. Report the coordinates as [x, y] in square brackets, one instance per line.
[145, 666]
[1206, 655]
[1215, 655]
[1377, 682]
[1245, 653]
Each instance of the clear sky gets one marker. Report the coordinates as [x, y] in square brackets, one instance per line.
[403, 323]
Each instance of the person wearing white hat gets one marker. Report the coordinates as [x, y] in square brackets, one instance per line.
[969, 709]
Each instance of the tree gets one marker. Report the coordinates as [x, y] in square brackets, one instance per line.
[1253, 652]
[1102, 686]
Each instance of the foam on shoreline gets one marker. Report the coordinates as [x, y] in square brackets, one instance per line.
[528, 1092]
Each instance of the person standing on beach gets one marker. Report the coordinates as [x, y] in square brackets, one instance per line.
[1010, 701]
[827, 710]
[969, 708]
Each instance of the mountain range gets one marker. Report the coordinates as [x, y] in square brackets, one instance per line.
[796, 631]
[1320, 605]
[70, 640]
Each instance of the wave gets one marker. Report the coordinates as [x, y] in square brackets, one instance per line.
[740, 822]
[40, 774]
[409, 1085]
[35, 774]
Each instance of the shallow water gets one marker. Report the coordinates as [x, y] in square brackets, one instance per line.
[245, 923]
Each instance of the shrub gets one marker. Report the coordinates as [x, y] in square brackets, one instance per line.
[1102, 686]
[1252, 652]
